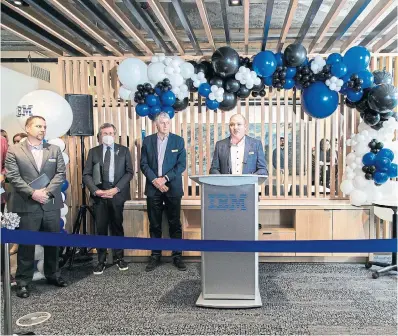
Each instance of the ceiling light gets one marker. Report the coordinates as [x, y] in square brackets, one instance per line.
[235, 2]
[17, 3]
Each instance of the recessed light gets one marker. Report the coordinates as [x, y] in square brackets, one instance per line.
[235, 2]
[17, 3]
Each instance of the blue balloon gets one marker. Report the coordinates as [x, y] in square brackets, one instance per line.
[291, 72]
[367, 77]
[61, 224]
[334, 58]
[264, 63]
[306, 61]
[354, 96]
[169, 110]
[357, 59]
[152, 116]
[168, 98]
[385, 152]
[346, 78]
[268, 81]
[204, 89]
[382, 163]
[380, 177]
[151, 100]
[339, 69]
[289, 84]
[344, 89]
[65, 186]
[393, 170]
[158, 91]
[298, 85]
[154, 110]
[142, 110]
[64, 231]
[279, 58]
[369, 159]
[318, 101]
[212, 104]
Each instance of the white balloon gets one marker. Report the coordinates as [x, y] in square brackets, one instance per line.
[39, 252]
[333, 86]
[194, 77]
[214, 88]
[242, 69]
[155, 59]
[196, 83]
[346, 187]
[177, 60]
[238, 76]
[64, 211]
[358, 161]
[357, 197]
[181, 96]
[156, 73]
[66, 158]
[318, 59]
[203, 80]
[58, 142]
[221, 90]
[327, 82]
[220, 98]
[169, 70]
[360, 182]
[124, 93]
[177, 70]
[176, 80]
[253, 74]
[184, 87]
[167, 61]
[334, 79]
[63, 197]
[212, 96]
[40, 266]
[348, 170]
[353, 165]
[383, 213]
[249, 85]
[162, 57]
[64, 219]
[175, 63]
[49, 105]
[176, 90]
[257, 81]
[201, 75]
[131, 72]
[350, 158]
[350, 176]
[243, 81]
[340, 82]
[187, 69]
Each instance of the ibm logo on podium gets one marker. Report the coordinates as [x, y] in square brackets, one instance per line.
[24, 111]
[229, 202]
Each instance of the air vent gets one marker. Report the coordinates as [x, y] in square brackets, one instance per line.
[40, 73]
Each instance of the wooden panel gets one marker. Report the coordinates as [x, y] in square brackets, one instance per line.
[193, 234]
[313, 225]
[350, 224]
[266, 234]
[136, 225]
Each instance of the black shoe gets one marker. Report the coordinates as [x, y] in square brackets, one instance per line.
[177, 262]
[22, 292]
[153, 263]
[59, 282]
[99, 269]
[122, 265]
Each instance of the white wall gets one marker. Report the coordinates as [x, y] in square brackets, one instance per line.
[14, 85]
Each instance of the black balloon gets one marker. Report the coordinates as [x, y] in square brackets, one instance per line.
[262, 93]
[349, 103]
[229, 101]
[371, 118]
[383, 98]
[386, 116]
[255, 94]
[369, 176]
[217, 81]
[243, 92]
[190, 85]
[232, 85]
[295, 55]
[382, 77]
[225, 62]
[180, 105]
[259, 87]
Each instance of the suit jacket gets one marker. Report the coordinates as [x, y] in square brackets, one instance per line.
[253, 159]
[174, 164]
[21, 169]
[124, 171]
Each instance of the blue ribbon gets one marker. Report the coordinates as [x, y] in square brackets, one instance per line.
[308, 246]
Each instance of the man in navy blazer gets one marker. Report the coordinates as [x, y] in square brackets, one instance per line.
[238, 154]
[163, 160]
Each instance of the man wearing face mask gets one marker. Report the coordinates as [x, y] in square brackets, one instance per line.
[238, 154]
[107, 175]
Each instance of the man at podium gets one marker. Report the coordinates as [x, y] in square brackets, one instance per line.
[238, 154]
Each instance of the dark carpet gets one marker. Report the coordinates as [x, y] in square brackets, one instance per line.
[298, 298]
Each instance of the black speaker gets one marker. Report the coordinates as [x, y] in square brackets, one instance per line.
[82, 108]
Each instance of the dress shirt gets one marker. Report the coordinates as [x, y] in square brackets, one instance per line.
[161, 144]
[237, 154]
[37, 152]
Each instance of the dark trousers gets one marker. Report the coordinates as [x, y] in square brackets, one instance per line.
[172, 205]
[109, 214]
[40, 220]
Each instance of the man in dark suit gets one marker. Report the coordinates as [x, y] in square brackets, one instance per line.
[163, 160]
[107, 175]
[39, 209]
[238, 154]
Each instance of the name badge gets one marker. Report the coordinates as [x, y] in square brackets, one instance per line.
[174, 150]
[251, 153]
[52, 160]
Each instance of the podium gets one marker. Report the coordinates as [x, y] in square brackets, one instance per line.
[229, 209]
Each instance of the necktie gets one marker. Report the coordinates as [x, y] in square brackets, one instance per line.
[107, 163]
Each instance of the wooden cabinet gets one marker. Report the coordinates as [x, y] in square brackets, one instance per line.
[313, 225]
[191, 234]
[351, 224]
[136, 224]
[277, 234]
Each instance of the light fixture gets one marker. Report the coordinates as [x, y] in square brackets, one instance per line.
[17, 3]
[235, 2]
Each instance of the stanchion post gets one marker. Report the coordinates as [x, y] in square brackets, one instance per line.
[7, 292]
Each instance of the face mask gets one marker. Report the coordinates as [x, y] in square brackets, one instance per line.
[108, 140]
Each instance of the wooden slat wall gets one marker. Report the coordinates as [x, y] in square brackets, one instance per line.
[278, 114]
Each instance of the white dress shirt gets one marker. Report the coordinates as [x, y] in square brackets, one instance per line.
[237, 154]
[37, 152]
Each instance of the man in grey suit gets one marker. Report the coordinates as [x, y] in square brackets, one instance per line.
[238, 154]
[107, 175]
[39, 209]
